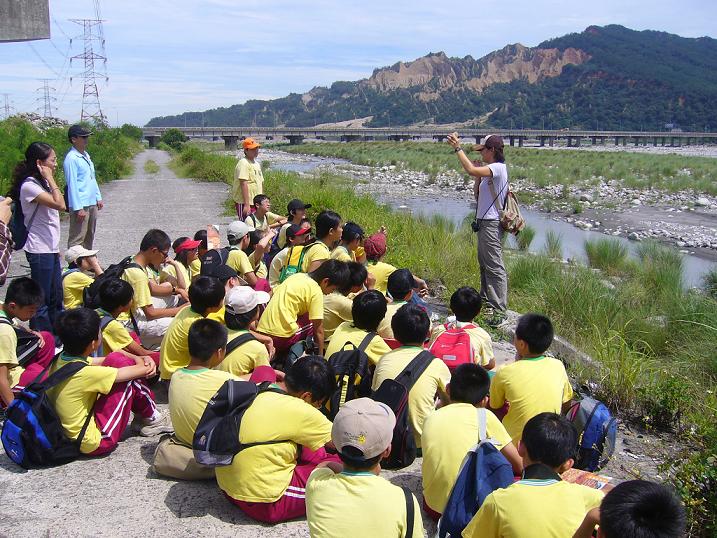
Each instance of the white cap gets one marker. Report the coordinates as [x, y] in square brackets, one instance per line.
[238, 229]
[243, 299]
[75, 252]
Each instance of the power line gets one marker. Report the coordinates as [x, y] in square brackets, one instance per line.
[92, 33]
[7, 106]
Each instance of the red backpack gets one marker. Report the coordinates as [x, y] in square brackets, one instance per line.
[454, 346]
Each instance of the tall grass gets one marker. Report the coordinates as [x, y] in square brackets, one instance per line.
[608, 255]
[710, 283]
[554, 245]
[525, 237]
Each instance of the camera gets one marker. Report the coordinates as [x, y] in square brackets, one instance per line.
[475, 225]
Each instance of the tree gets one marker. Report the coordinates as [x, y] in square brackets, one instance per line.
[174, 138]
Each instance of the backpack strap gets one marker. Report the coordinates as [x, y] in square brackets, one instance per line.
[482, 424]
[68, 272]
[61, 374]
[366, 341]
[415, 369]
[37, 206]
[237, 342]
[410, 515]
[104, 321]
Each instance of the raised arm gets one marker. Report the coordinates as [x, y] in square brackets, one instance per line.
[468, 166]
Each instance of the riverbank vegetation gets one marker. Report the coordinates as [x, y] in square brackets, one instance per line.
[541, 167]
[111, 149]
[653, 341]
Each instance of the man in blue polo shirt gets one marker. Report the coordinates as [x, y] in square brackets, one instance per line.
[83, 193]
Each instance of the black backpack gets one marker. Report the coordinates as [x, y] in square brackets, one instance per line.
[17, 221]
[216, 439]
[33, 435]
[353, 375]
[213, 258]
[27, 342]
[91, 294]
[238, 342]
[394, 393]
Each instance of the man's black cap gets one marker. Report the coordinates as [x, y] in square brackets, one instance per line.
[78, 130]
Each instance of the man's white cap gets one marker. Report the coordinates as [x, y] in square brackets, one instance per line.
[238, 229]
[75, 252]
[243, 299]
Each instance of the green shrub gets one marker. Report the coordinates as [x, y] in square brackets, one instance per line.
[174, 138]
[131, 131]
[151, 167]
[710, 283]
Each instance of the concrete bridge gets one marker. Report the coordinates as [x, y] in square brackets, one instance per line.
[519, 137]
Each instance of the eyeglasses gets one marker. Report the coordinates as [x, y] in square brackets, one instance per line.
[164, 253]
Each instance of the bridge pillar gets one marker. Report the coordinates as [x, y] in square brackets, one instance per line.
[512, 141]
[350, 138]
[542, 141]
[551, 141]
[439, 138]
[617, 140]
[231, 142]
[578, 140]
[295, 139]
[594, 140]
[672, 141]
[570, 141]
[269, 137]
[520, 141]
[624, 141]
[153, 140]
[637, 141]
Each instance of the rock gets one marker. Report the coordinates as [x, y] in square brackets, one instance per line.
[702, 202]
[586, 198]
[636, 201]
[634, 236]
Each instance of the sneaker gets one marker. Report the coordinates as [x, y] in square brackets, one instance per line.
[158, 426]
[495, 319]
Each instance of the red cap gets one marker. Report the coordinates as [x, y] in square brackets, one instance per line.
[189, 244]
[263, 373]
[375, 245]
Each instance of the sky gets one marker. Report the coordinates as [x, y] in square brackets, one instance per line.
[171, 56]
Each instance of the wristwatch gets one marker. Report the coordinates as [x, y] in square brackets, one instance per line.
[456, 150]
[174, 289]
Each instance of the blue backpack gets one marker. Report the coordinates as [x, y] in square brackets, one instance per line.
[32, 434]
[483, 470]
[597, 430]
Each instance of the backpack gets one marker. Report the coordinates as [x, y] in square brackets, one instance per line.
[597, 430]
[353, 376]
[104, 321]
[454, 346]
[91, 294]
[27, 342]
[33, 435]
[484, 469]
[68, 272]
[394, 393]
[511, 220]
[17, 222]
[216, 439]
[274, 249]
[294, 261]
[213, 258]
[238, 342]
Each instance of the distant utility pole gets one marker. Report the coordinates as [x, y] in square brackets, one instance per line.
[7, 105]
[92, 33]
[47, 99]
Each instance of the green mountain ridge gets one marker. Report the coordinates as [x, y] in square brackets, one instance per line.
[606, 78]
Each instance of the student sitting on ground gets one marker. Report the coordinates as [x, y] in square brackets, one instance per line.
[262, 218]
[400, 288]
[238, 236]
[337, 305]
[336, 493]
[296, 211]
[296, 236]
[328, 232]
[411, 326]
[375, 248]
[115, 299]
[259, 245]
[109, 387]
[242, 307]
[636, 508]
[534, 383]
[451, 431]
[80, 264]
[540, 504]
[22, 300]
[267, 481]
[206, 296]
[351, 239]
[196, 265]
[296, 309]
[367, 310]
[465, 305]
[152, 321]
[179, 271]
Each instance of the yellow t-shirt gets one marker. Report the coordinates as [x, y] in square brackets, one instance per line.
[138, 279]
[480, 339]
[170, 271]
[72, 287]
[252, 174]
[384, 328]
[343, 254]
[189, 392]
[262, 473]
[299, 294]
[334, 500]
[239, 261]
[346, 332]
[337, 309]
[317, 252]
[262, 224]
[174, 351]
[381, 271]
[73, 401]
[448, 434]
[281, 241]
[532, 386]
[218, 315]
[245, 358]
[421, 398]
[545, 508]
[114, 336]
[195, 267]
[261, 270]
[8, 353]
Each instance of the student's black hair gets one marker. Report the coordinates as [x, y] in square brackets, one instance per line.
[155, 238]
[77, 328]
[469, 384]
[337, 272]
[325, 222]
[410, 324]
[400, 283]
[313, 374]
[641, 509]
[206, 336]
[182, 256]
[550, 439]
[535, 330]
[239, 322]
[114, 293]
[351, 232]
[205, 292]
[353, 457]
[357, 276]
[465, 303]
[259, 198]
[24, 291]
[368, 309]
[254, 238]
[201, 235]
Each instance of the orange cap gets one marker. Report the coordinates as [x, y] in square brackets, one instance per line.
[250, 143]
